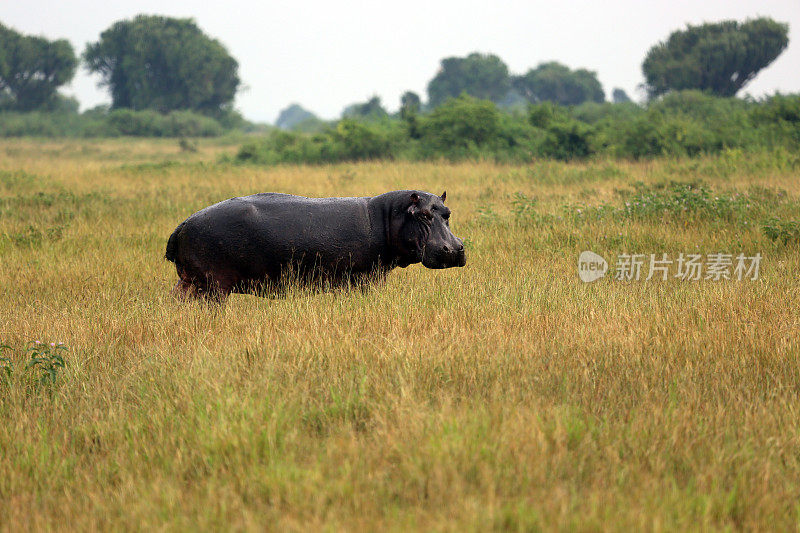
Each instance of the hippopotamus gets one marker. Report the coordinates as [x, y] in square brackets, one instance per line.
[261, 242]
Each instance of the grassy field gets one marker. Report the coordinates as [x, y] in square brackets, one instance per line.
[504, 395]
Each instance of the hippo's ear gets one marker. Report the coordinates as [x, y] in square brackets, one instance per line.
[443, 196]
[412, 208]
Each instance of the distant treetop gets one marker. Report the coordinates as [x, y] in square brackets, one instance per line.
[32, 69]
[720, 58]
[293, 116]
[369, 110]
[554, 82]
[619, 96]
[478, 75]
[163, 63]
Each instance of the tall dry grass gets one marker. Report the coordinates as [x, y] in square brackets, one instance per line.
[504, 395]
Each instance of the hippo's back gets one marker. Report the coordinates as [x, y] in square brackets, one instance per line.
[257, 236]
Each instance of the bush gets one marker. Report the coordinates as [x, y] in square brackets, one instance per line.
[348, 141]
[463, 126]
[99, 122]
[149, 123]
[686, 123]
[563, 137]
[680, 124]
[777, 120]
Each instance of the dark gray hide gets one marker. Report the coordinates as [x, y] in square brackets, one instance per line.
[250, 243]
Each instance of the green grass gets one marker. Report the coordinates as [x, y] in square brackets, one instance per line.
[505, 395]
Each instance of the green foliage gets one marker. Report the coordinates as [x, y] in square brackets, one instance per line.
[350, 140]
[681, 201]
[119, 122]
[410, 104]
[39, 363]
[296, 118]
[777, 120]
[554, 82]
[41, 124]
[369, 110]
[478, 75]
[45, 361]
[6, 364]
[680, 124]
[595, 113]
[720, 58]
[461, 125]
[165, 64]
[690, 123]
[32, 69]
[565, 138]
[783, 231]
[360, 142]
[619, 96]
[778, 109]
[152, 124]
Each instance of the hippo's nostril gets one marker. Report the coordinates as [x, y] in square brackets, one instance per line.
[446, 249]
[460, 247]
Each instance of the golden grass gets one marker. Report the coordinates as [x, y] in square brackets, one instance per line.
[504, 395]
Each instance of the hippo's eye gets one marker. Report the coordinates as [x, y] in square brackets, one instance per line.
[446, 216]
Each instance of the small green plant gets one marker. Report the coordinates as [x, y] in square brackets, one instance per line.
[187, 146]
[45, 360]
[677, 199]
[6, 366]
[486, 212]
[672, 201]
[523, 206]
[784, 231]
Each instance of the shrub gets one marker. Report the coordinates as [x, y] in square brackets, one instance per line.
[783, 231]
[99, 122]
[360, 141]
[150, 123]
[461, 127]
[349, 141]
[563, 137]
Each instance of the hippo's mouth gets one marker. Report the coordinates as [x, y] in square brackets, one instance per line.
[458, 259]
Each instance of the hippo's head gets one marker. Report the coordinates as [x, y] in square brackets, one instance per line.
[425, 233]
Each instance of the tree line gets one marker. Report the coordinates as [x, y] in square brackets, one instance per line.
[679, 124]
[160, 71]
[150, 62]
[717, 58]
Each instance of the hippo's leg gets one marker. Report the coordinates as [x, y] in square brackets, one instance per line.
[216, 294]
[219, 286]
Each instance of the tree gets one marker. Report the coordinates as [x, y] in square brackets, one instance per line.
[295, 116]
[720, 58]
[554, 82]
[369, 110]
[619, 96]
[461, 123]
[162, 63]
[32, 69]
[410, 104]
[482, 76]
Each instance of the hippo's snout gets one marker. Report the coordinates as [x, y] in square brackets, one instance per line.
[457, 255]
[462, 257]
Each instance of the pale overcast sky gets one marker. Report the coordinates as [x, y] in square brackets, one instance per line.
[325, 55]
